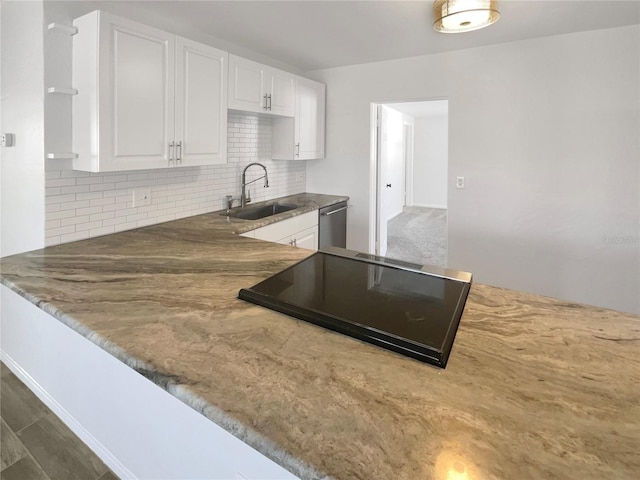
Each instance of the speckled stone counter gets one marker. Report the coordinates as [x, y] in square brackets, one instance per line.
[535, 388]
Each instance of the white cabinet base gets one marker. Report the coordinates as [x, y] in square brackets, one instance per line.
[138, 429]
[299, 231]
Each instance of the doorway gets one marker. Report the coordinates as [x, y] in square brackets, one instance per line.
[409, 187]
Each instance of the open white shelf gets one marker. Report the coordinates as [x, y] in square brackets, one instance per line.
[62, 28]
[54, 156]
[63, 91]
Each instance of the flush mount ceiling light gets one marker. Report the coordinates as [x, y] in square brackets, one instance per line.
[455, 16]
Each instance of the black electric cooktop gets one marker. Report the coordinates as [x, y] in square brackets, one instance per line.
[410, 309]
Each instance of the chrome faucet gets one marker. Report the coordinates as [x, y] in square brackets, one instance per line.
[243, 196]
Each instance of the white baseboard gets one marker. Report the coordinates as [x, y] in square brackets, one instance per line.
[76, 427]
[430, 205]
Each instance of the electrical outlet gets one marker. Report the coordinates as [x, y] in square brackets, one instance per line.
[7, 139]
[142, 197]
[299, 176]
[460, 182]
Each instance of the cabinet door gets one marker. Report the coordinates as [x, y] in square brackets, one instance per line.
[281, 86]
[136, 95]
[307, 238]
[309, 122]
[201, 104]
[282, 231]
[246, 85]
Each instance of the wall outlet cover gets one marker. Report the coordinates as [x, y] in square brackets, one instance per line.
[142, 197]
[460, 182]
[7, 139]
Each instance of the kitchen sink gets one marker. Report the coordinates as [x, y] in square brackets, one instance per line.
[257, 213]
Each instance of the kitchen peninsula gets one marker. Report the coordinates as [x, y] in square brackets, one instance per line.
[534, 388]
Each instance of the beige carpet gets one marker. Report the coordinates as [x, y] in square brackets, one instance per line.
[419, 235]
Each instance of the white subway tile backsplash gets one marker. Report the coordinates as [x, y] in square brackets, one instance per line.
[81, 205]
[72, 237]
[60, 214]
[74, 189]
[60, 230]
[60, 182]
[75, 220]
[80, 227]
[96, 232]
[88, 210]
[51, 199]
[90, 195]
[101, 216]
[53, 240]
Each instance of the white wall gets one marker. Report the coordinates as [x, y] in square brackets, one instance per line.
[430, 161]
[546, 133]
[22, 113]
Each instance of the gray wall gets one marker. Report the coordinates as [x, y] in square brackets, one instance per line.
[546, 133]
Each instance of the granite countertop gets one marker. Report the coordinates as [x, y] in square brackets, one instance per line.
[534, 388]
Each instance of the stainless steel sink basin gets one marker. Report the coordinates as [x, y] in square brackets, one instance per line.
[257, 213]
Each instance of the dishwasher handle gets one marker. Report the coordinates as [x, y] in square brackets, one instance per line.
[326, 214]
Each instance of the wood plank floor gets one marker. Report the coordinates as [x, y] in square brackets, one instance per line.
[35, 444]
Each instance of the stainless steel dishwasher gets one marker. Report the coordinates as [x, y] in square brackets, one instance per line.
[332, 226]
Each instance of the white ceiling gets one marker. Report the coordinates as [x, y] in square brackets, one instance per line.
[312, 35]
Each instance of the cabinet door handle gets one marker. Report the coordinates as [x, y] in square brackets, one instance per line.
[298, 149]
[266, 104]
[171, 151]
[179, 152]
[388, 185]
[269, 102]
[295, 242]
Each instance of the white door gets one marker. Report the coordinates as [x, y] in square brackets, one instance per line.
[381, 220]
[201, 104]
[137, 102]
[281, 88]
[246, 85]
[390, 171]
[309, 122]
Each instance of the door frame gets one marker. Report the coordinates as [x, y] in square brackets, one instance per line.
[407, 140]
[374, 214]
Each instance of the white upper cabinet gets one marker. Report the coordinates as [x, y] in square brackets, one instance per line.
[281, 91]
[254, 87]
[309, 119]
[302, 137]
[246, 85]
[146, 98]
[201, 104]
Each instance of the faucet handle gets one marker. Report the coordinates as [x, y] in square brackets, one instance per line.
[248, 196]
